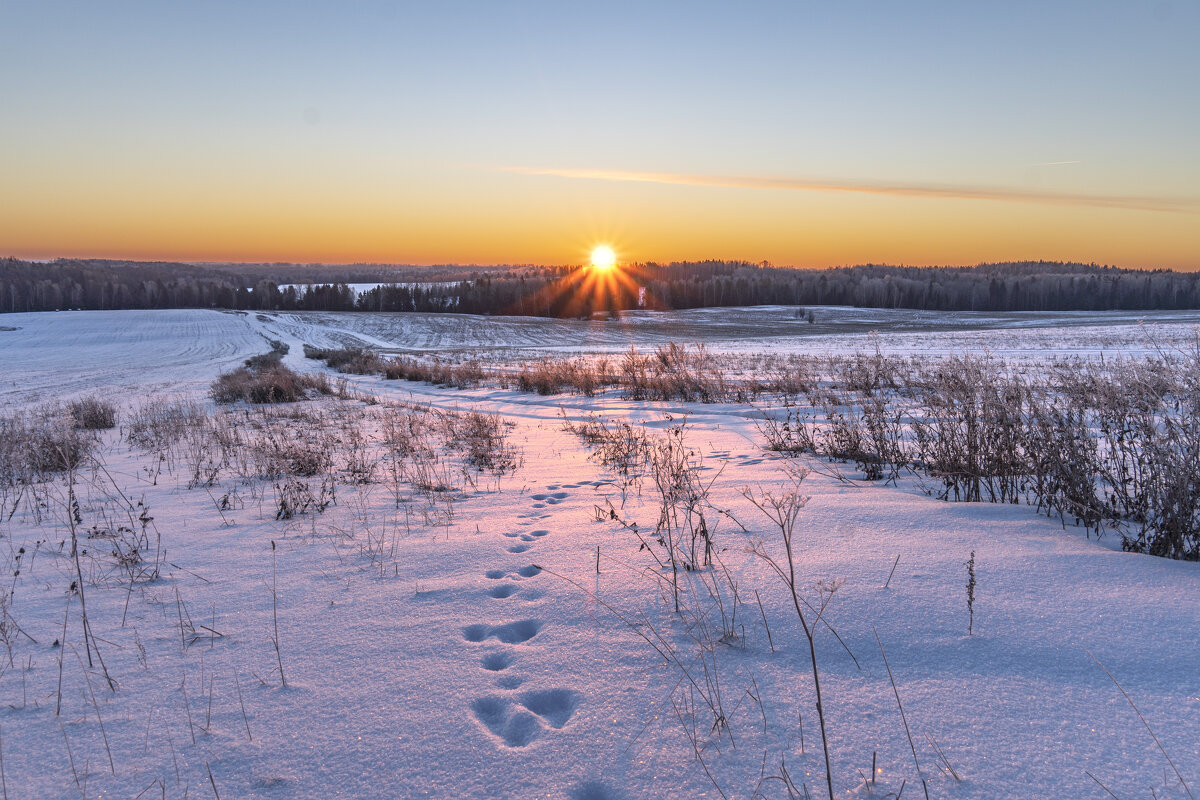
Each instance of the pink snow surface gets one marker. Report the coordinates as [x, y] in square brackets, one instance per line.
[457, 668]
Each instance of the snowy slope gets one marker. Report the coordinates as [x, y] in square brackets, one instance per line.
[55, 356]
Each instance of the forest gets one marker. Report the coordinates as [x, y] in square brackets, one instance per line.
[574, 291]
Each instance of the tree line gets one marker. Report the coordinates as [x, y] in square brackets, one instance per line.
[580, 291]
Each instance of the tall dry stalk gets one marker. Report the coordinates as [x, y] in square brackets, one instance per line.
[783, 511]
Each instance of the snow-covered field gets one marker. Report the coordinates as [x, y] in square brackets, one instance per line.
[129, 353]
[776, 329]
[507, 638]
[58, 356]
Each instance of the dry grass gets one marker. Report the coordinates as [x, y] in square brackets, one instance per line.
[40, 443]
[271, 384]
[93, 413]
[1110, 446]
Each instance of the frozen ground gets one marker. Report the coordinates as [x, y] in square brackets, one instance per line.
[449, 665]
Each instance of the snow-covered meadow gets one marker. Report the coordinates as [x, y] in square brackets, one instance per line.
[505, 633]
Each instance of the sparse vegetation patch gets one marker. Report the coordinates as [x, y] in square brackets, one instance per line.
[265, 379]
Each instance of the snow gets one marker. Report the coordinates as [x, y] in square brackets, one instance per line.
[57, 356]
[454, 667]
[776, 329]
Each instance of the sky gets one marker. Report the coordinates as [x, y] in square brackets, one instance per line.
[806, 134]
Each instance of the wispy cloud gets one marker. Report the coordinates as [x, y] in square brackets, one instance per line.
[926, 190]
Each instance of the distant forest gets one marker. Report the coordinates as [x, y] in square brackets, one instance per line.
[578, 291]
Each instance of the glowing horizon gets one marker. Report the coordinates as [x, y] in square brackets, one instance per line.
[820, 137]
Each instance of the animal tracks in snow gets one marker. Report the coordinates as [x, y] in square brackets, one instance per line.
[555, 706]
[518, 721]
[514, 729]
[552, 499]
[527, 571]
[517, 632]
[496, 661]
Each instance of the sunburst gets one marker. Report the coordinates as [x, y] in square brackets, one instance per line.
[603, 257]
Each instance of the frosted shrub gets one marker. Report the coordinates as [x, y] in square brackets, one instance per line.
[93, 414]
[159, 424]
[552, 376]
[482, 439]
[792, 435]
[674, 372]
[37, 445]
[969, 429]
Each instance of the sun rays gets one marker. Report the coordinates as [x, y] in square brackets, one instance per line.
[603, 285]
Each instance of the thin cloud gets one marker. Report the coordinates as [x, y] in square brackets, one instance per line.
[941, 191]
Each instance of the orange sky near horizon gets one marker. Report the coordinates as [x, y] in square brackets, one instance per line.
[556, 224]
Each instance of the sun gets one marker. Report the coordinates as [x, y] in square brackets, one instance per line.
[603, 257]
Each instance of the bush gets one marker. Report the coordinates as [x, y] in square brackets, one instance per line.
[483, 440]
[277, 384]
[55, 447]
[675, 372]
[160, 424]
[353, 360]
[268, 360]
[33, 446]
[316, 353]
[1107, 445]
[552, 376]
[264, 361]
[93, 414]
[363, 362]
